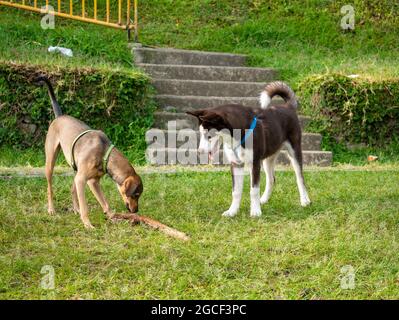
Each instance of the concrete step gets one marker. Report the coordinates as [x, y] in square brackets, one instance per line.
[209, 73]
[208, 88]
[186, 57]
[182, 156]
[190, 138]
[185, 103]
[185, 121]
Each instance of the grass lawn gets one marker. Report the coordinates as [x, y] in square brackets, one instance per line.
[290, 252]
[23, 40]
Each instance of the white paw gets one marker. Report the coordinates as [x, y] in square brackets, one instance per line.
[263, 200]
[229, 213]
[255, 213]
[305, 202]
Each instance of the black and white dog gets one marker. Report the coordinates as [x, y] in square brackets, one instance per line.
[269, 127]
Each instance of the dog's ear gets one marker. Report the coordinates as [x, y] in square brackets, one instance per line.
[196, 113]
[212, 118]
[133, 185]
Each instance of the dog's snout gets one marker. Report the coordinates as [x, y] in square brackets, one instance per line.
[132, 209]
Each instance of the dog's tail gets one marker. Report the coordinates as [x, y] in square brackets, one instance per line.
[41, 80]
[278, 88]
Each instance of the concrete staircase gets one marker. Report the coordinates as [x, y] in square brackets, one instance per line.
[187, 80]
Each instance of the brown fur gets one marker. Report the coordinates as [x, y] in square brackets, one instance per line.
[275, 126]
[88, 153]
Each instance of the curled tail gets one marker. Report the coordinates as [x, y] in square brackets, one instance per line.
[41, 80]
[278, 88]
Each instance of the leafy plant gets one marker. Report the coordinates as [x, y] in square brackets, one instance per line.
[353, 110]
[117, 102]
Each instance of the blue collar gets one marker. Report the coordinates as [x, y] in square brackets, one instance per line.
[248, 132]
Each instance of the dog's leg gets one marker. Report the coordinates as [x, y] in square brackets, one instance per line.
[256, 211]
[238, 184]
[52, 147]
[80, 182]
[295, 155]
[269, 165]
[75, 201]
[94, 185]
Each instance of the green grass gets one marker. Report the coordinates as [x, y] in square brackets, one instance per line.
[296, 37]
[22, 39]
[290, 252]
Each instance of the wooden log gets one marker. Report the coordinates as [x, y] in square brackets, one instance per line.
[135, 219]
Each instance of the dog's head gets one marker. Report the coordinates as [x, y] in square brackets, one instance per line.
[211, 124]
[131, 190]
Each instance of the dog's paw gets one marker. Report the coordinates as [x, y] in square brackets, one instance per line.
[229, 213]
[51, 211]
[305, 202]
[256, 213]
[264, 200]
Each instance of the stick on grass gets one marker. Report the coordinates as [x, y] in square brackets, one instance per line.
[135, 219]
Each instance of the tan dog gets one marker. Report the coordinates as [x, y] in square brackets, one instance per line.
[92, 155]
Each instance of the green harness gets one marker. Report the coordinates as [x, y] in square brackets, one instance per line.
[105, 158]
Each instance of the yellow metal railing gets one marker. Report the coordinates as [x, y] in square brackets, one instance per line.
[110, 13]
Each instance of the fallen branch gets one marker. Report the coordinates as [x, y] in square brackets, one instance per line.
[135, 219]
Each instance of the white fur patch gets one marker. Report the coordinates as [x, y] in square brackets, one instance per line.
[256, 211]
[304, 197]
[204, 145]
[264, 100]
[237, 192]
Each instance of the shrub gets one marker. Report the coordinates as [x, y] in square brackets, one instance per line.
[117, 102]
[353, 110]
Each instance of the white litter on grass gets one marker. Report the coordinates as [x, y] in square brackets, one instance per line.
[64, 51]
[353, 76]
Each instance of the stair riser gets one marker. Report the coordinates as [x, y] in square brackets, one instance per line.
[191, 157]
[185, 121]
[208, 89]
[190, 139]
[209, 73]
[181, 104]
[180, 57]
